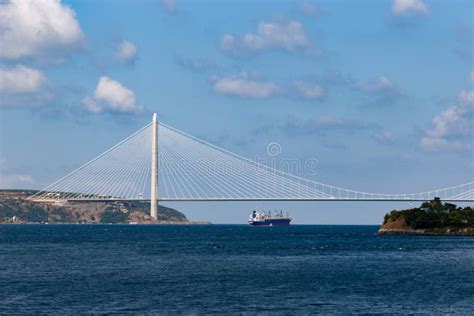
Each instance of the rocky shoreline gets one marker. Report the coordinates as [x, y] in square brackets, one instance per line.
[425, 232]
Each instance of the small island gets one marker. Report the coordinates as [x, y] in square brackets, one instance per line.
[15, 208]
[431, 218]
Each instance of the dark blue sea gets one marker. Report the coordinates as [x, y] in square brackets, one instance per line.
[231, 269]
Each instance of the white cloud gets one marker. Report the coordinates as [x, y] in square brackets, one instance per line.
[308, 90]
[382, 90]
[114, 93]
[243, 86]
[466, 97]
[16, 181]
[21, 79]
[248, 85]
[111, 95]
[385, 137]
[409, 7]
[308, 9]
[21, 85]
[91, 105]
[381, 84]
[287, 35]
[434, 144]
[453, 127]
[37, 28]
[126, 51]
[169, 6]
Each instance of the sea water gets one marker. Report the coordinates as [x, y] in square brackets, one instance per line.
[220, 269]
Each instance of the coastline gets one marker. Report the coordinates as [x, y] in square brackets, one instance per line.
[16, 208]
[425, 232]
[194, 223]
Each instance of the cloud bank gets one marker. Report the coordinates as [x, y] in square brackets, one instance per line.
[40, 28]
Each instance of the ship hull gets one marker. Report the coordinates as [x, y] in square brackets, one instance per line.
[272, 222]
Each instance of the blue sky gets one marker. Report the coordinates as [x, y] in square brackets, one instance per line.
[380, 92]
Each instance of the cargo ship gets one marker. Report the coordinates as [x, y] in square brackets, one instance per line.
[258, 218]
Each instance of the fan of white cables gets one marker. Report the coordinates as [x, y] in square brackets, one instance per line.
[121, 172]
[192, 169]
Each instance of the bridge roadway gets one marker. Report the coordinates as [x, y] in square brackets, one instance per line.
[256, 199]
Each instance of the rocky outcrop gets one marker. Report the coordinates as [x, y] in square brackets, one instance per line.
[433, 219]
[400, 228]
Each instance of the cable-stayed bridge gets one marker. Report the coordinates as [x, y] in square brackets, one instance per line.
[161, 163]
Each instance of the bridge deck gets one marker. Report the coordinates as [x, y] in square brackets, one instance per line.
[255, 199]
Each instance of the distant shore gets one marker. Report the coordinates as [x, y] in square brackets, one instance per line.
[15, 208]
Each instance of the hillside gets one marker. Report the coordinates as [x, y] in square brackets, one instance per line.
[15, 208]
[431, 218]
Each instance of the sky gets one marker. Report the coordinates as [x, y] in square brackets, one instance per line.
[380, 93]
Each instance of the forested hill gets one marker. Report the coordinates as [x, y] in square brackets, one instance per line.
[431, 218]
[15, 208]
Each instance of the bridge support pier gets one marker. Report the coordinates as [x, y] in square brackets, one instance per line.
[154, 168]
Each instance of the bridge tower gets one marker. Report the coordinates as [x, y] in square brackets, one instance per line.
[154, 167]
